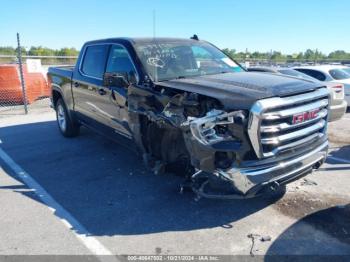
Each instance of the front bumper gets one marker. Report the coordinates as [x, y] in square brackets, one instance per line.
[251, 181]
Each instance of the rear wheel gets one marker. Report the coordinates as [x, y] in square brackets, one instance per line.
[67, 126]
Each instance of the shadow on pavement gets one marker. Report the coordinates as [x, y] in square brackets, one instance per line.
[342, 152]
[106, 187]
[302, 238]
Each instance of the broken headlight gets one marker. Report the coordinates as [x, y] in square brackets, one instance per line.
[213, 127]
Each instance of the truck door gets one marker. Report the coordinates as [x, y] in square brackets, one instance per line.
[115, 100]
[88, 84]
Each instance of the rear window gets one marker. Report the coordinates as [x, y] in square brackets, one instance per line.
[339, 74]
[296, 73]
[313, 73]
[95, 60]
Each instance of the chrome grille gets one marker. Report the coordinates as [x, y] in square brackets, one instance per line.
[271, 128]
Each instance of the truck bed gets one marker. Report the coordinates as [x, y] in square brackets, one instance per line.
[62, 71]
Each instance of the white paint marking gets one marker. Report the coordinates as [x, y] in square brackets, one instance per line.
[66, 218]
[339, 159]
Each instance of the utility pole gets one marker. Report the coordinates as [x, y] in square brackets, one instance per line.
[20, 65]
[154, 23]
[316, 55]
[246, 62]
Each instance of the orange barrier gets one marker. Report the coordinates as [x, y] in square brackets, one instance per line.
[11, 89]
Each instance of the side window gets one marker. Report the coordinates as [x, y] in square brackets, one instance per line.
[313, 73]
[119, 61]
[94, 61]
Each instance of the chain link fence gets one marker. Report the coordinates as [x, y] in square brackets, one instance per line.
[250, 62]
[22, 95]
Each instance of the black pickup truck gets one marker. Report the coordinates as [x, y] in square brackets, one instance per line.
[190, 109]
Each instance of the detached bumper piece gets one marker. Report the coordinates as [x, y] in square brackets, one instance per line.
[252, 181]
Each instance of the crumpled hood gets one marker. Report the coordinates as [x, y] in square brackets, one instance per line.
[241, 90]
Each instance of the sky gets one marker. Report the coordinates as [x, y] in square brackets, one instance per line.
[289, 26]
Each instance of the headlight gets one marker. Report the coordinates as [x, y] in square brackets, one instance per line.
[212, 128]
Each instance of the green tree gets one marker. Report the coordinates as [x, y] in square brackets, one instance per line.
[41, 51]
[23, 51]
[309, 54]
[339, 54]
[67, 52]
[259, 55]
[229, 52]
[277, 56]
[7, 50]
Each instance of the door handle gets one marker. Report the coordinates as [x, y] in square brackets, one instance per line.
[76, 84]
[102, 92]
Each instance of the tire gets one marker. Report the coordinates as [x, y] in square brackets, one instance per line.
[67, 126]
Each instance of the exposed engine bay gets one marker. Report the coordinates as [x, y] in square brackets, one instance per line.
[192, 136]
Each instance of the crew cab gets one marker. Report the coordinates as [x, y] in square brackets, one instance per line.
[188, 108]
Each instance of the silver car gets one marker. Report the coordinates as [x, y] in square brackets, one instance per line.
[330, 73]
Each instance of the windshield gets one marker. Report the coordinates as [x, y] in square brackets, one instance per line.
[296, 73]
[339, 74]
[172, 60]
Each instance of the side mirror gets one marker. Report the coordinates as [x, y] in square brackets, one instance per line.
[116, 79]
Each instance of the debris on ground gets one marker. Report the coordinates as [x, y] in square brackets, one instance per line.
[308, 182]
[254, 237]
[265, 238]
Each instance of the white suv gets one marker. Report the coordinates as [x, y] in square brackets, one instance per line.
[332, 73]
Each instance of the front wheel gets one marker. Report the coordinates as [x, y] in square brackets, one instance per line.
[67, 126]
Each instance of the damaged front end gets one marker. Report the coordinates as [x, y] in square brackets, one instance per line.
[218, 144]
[240, 155]
[185, 129]
[229, 153]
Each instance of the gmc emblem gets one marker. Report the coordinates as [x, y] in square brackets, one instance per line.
[305, 116]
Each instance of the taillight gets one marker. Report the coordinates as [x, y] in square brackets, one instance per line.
[338, 88]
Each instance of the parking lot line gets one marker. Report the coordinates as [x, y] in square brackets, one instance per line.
[67, 219]
[339, 159]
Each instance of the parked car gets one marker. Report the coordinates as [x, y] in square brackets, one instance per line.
[188, 108]
[347, 69]
[330, 73]
[11, 88]
[338, 105]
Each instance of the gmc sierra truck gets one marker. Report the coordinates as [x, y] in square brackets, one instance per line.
[189, 109]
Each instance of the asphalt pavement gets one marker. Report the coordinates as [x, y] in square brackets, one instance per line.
[88, 195]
